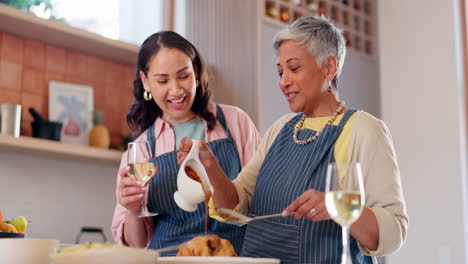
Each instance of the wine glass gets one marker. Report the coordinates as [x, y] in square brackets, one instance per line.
[344, 198]
[141, 168]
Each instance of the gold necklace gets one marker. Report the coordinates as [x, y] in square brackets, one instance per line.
[299, 124]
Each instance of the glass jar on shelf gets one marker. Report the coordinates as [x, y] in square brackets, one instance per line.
[368, 47]
[271, 10]
[357, 5]
[345, 18]
[367, 27]
[322, 10]
[297, 15]
[367, 7]
[357, 23]
[347, 38]
[334, 14]
[357, 43]
[284, 14]
[312, 5]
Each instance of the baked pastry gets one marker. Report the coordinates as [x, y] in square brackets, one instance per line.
[207, 246]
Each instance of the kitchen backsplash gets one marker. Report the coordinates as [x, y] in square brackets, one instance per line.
[27, 66]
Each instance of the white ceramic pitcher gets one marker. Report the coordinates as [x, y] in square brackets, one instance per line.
[190, 192]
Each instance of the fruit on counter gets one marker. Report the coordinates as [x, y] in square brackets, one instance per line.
[20, 223]
[9, 228]
[99, 135]
[16, 225]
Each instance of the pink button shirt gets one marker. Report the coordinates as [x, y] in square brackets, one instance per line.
[242, 129]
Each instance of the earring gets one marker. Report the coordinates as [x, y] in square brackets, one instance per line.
[198, 83]
[329, 87]
[147, 95]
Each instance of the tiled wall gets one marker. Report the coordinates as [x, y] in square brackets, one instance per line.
[27, 66]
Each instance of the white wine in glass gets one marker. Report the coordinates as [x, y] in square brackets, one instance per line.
[141, 171]
[344, 199]
[141, 168]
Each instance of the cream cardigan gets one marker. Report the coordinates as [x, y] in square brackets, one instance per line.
[371, 145]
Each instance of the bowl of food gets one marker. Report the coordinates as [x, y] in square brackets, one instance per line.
[27, 250]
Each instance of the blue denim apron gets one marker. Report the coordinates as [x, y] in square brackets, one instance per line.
[287, 172]
[174, 225]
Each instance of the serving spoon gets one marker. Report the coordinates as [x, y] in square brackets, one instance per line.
[235, 218]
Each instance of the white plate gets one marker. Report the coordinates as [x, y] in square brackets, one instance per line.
[220, 260]
[122, 255]
[119, 255]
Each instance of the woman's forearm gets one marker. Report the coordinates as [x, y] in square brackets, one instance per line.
[225, 193]
[135, 232]
[366, 230]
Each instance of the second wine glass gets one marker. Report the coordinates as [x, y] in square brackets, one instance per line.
[344, 199]
[141, 168]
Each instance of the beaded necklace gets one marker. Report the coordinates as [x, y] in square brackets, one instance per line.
[299, 124]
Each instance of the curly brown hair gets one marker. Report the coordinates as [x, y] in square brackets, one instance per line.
[143, 113]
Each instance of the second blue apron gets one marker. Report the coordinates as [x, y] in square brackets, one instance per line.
[287, 172]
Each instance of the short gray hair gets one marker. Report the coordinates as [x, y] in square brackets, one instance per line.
[321, 38]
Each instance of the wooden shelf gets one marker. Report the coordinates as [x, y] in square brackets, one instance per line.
[56, 33]
[42, 147]
[355, 17]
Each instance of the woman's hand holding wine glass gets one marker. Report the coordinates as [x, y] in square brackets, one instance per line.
[129, 192]
[135, 178]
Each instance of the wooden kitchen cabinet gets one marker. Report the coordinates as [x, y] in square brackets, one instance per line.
[355, 17]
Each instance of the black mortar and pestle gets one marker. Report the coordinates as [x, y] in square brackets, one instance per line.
[42, 128]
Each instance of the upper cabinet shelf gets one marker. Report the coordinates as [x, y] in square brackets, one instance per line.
[56, 33]
[355, 17]
[54, 149]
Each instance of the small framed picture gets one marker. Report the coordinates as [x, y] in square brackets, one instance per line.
[73, 106]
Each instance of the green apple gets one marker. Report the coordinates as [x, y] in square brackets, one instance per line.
[20, 223]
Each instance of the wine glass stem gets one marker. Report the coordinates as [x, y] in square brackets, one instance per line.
[345, 257]
[144, 209]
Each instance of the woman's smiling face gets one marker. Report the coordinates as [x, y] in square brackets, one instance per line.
[301, 79]
[171, 79]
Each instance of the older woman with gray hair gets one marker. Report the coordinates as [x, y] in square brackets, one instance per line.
[287, 174]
